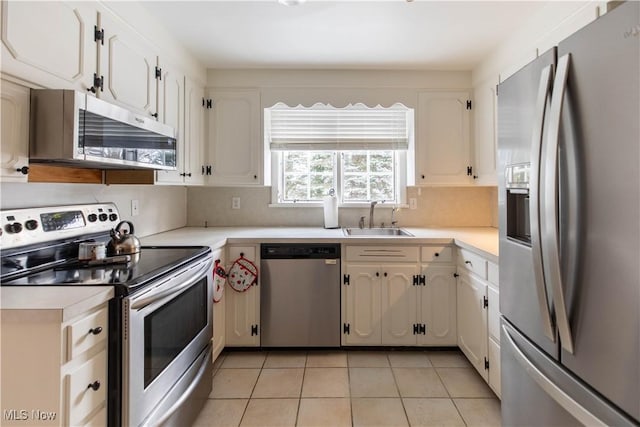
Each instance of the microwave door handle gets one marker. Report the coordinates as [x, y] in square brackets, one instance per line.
[156, 295]
[550, 232]
[534, 200]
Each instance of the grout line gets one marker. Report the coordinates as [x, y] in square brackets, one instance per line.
[304, 373]
[395, 381]
[459, 413]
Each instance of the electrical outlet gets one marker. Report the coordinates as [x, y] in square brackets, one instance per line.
[413, 203]
[135, 209]
[235, 203]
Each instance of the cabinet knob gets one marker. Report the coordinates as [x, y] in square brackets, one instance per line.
[255, 176]
[96, 330]
[422, 176]
[155, 115]
[437, 254]
[188, 174]
[23, 170]
[94, 385]
[377, 274]
[385, 274]
[468, 262]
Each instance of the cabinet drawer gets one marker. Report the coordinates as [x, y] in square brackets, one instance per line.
[82, 399]
[493, 273]
[472, 262]
[437, 254]
[87, 332]
[382, 253]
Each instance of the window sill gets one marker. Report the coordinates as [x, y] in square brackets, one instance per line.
[341, 206]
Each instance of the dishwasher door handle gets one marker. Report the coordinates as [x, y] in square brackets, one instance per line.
[331, 261]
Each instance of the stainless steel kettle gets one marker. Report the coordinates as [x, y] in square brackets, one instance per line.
[123, 242]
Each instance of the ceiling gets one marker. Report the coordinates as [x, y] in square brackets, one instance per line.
[391, 34]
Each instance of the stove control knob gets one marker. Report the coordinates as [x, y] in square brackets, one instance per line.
[113, 217]
[31, 224]
[13, 228]
[103, 217]
[92, 217]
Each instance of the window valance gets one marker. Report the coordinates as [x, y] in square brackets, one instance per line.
[324, 127]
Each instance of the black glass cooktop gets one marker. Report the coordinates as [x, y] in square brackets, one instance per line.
[153, 262]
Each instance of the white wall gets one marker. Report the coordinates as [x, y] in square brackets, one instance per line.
[162, 208]
[556, 21]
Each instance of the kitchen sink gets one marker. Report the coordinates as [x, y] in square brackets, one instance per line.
[377, 232]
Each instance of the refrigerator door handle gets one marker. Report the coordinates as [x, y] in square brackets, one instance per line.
[556, 393]
[534, 200]
[550, 232]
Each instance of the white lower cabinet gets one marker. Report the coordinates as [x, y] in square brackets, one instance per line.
[242, 309]
[399, 306]
[479, 315]
[405, 303]
[438, 306]
[219, 328]
[472, 320]
[54, 371]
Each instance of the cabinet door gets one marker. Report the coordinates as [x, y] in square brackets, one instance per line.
[361, 305]
[493, 313]
[472, 320]
[494, 366]
[398, 304]
[219, 331]
[171, 111]
[235, 145]
[242, 309]
[438, 306]
[14, 114]
[443, 150]
[484, 113]
[127, 63]
[194, 119]
[49, 44]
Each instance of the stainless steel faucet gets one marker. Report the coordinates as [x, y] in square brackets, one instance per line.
[373, 205]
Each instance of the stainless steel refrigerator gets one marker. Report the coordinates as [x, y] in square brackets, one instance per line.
[569, 214]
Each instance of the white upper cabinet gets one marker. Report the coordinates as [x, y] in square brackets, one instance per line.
[171, 111]
[128, 66]
[484, 112]
[443, 147]
[235, 143]
[15, 132]
[194, 133]
[49, 44]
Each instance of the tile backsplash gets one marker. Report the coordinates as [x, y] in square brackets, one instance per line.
[437, 207]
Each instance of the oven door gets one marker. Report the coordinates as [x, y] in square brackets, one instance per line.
[166, 327]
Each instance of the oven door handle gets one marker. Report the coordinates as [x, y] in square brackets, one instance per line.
[153, 296]
[187, 393]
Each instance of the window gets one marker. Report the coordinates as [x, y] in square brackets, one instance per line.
[359, 152]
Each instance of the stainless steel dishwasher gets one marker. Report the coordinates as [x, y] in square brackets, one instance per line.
[300, 295]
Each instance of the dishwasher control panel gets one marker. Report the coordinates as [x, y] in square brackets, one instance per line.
[299, 251]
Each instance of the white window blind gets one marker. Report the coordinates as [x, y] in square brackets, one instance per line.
[323, 127]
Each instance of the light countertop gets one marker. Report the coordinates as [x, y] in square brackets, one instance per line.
[482, 240]
[50, 303]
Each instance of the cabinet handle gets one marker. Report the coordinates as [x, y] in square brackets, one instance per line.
[377, 274]
[155, 115]
[183, 174]
[96, 330]
[255, 176]
[385, 274]
[437, 254]
[422, 176]
[469, 262]
[94, 385]
[23, 170]
[188, 174]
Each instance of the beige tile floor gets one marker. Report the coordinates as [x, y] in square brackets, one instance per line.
[348, 388]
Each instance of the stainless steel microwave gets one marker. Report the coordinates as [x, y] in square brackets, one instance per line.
[78, 129]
